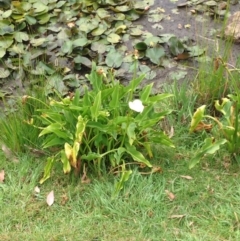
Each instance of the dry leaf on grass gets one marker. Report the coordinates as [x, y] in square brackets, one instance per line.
[170, 195]
[50, 198]
[8, 154]
[178, 216]
[37, 189]
[187, 177]
[2, 174]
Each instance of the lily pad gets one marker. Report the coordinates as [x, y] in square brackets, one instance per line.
[155, 54]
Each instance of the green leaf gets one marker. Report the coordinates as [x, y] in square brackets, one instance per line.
[2, 52]
[4, 73]
[141, 46]
[155, 54]
[137, 156]
[67, 47]
[7, 13]
[210, 147]
[146, 91]
[175, 45]
[66, 163]
[113, 38]
[124, 177]
[37, 42]
[21, 36]
[96, 106]
[47, 169]
[131, 132]
[114, 59]
[81, 42]
[30, 20]
[80, 129]
[197, 117]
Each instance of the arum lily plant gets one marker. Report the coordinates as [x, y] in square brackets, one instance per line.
[103, 129]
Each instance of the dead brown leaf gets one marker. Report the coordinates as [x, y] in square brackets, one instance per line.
[2, 176]
[170, 195]
[203, 126]
[187, 177]
[182, 56]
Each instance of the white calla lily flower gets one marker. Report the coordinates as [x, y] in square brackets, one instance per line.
[136, 105]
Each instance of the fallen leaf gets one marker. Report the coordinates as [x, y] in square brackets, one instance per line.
[50, 198]
[8, 154]
[171, 132]
[37, 189]
[203, 126]
[71, 24]
[178, 216]
[187, 177]
[170, 195]
[182, 56]
[187, 26]
[2, 174]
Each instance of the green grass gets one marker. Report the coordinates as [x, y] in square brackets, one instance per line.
[142, 211]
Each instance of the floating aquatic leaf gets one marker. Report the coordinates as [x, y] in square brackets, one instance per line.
[155, 54]
[113, 38]
[114, 59]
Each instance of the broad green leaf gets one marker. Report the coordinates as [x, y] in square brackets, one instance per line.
[4, 73]
[55, 128]
[99, 30]
[91, 156]
[47, 169]
[137, 156]
[224, 107]
[37, 42]
[30, 20]
[195, 51]
[155, 54]
[141, 46]
[145, 93]
[114, 59]
[6, 42]
[175, 45]
[113, 38]
[66, 163]
[67, 47]
[52, 140]
[21, 36]
[2, 52]
[80, 129]
[131, 132]
[40, 7]
[124, 177]
[114, 103]
[43, 18]
[197, 117]
[210, 147]
[81, 42]
[7, 13]
[83, 60]
[96, 106]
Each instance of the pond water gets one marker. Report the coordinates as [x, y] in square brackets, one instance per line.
[200, 28]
